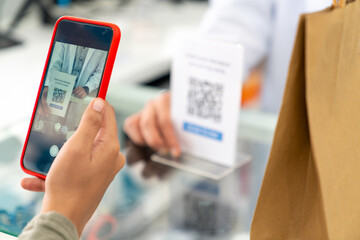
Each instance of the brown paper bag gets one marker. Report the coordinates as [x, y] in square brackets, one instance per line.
[311, 188]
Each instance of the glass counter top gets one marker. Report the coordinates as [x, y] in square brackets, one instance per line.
[149, 200]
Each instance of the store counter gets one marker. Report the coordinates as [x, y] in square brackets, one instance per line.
[148, 200]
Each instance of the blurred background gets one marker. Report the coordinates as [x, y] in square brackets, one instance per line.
[150, 31]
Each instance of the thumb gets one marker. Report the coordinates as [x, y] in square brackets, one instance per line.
[91, 122]
[33, 184]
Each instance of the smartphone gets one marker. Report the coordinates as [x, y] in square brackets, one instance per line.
[77, 70]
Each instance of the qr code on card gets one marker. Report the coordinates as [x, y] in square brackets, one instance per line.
[58, 95]
[205, 99]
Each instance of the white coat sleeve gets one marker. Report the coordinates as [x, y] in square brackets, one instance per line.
[248, 22]
[95, 78]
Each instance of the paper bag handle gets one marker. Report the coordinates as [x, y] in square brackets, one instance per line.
[341, 3]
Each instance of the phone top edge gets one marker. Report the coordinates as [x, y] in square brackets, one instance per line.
[113, 26]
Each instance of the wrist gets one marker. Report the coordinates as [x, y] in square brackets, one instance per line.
[86, 89]
[67, 211]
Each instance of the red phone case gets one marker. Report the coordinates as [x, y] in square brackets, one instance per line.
[104, 82]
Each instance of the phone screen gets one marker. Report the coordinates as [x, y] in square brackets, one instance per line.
[72, 80]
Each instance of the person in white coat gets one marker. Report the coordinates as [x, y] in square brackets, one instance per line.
[265, 28]
[87, 64]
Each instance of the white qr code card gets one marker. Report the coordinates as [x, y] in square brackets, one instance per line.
[205, 98]
[59, 93]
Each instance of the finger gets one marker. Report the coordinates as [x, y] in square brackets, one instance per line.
[162, 109]
[90, 123]
[106, 141]
[135, 153]
[109, 125]
[77, 92]
[43, 101]
[46, 108]
[45, 92]
[148, 170]
[149, 128]
[43, 108]
[40, 109]
[33, 184]
[132, 129]
[107, 134]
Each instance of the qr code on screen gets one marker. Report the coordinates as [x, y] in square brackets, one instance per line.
[205, 99]
[59, 95]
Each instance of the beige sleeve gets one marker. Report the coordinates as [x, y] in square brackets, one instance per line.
[49, 226]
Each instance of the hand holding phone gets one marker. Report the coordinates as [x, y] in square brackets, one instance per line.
[78, 69]
[70, 189]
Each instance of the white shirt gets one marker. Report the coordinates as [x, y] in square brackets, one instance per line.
[266, 29]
